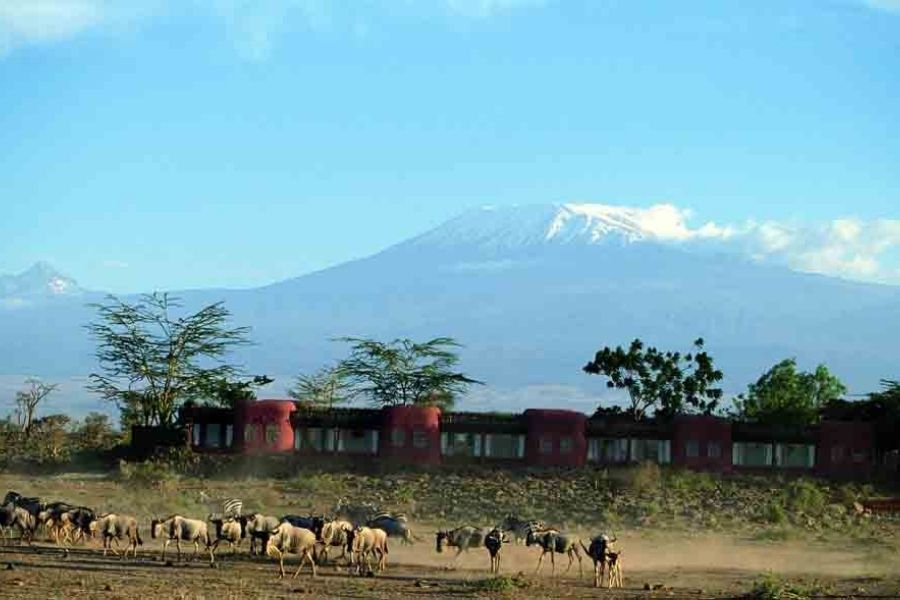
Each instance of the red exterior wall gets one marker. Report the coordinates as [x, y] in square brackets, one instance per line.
[704, 434]
[260, 415]
[546, 431]
[845, 449]
[420, 430]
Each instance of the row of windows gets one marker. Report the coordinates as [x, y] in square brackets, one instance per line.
[491, 445]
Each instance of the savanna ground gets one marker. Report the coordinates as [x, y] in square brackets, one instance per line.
[694, 535]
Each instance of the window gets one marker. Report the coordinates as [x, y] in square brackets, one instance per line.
[658, 451]
[502, 445]
[751, 454]
[398, 438]
[195, 434]
[419, 439]
[251, 432]
[566, 444]
[608, 450]
[272, 434]
[860, 456]
[546, 445]
[461, 444]
[309, 438]
[213, 435]
[358, 441]
[713, 450]
[795, 456]
[837, 454]
[229, 436]
[692, 449]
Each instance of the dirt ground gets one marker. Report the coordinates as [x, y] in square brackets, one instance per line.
[684, 565]
[701, 567]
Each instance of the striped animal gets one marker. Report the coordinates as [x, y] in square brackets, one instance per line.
[177, 529]
[112, 528]
[553, 542]
[518, 528]
[287, 539]
[229, 507]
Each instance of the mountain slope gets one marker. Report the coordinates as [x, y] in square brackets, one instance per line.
[533, 292]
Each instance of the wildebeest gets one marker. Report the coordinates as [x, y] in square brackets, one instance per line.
[598, 552]
[461, 538]
[614, 563]
[259, 528]
[112, 528]
[366, 542]
[553, 542]
[518, 528]
[12, 516]
[177, 529]
[228, 529]
[31, 504]
[336, 534]
[394, 525]
[493, 541]
[313, 523]
[70, 526]
[287, 539]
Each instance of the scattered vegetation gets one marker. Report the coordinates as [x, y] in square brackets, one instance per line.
[773, 587]
[501, 584]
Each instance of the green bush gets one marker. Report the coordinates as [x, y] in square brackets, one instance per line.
[502, 584]
[775, 514]
[773, 587]
[646, 478]
[806, 496]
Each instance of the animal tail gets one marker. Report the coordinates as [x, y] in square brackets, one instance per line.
[137, 534]
[386, 551]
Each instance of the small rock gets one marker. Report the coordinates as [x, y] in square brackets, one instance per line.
[107, 588]
[422, 584]
[10, 567]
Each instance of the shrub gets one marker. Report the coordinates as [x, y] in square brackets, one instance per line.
[646, 477]
[772, 587]
[774, 513]
[806, 496]
[502, 584]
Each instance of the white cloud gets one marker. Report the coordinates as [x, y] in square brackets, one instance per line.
[24, 22]
[849, 247]
[886, 5]
[256, 26]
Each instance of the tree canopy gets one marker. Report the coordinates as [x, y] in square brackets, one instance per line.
[27, 401]
[152, 360]
[404, 372]
[784, 395]
[326, 388]
[670, 382]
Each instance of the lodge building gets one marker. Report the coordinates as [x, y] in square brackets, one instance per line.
[536, 437]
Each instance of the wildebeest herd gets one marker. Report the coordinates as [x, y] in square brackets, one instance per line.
[360, 532]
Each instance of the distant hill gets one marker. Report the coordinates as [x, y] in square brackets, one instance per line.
[532, 292]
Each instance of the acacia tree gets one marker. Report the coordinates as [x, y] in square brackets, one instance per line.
[152, 360]
[403, 372]
[669, 381]
[325, 388]
[786, 396]
[27, 401]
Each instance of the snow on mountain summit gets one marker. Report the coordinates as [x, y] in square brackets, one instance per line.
[518, 226]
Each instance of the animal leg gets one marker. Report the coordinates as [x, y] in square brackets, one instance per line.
[553, 563]
[540, 560]
[165, 547]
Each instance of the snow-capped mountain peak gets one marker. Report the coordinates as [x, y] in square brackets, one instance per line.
[524, 226]
[41, 280]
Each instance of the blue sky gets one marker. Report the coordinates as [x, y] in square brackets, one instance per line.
[173, 144]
